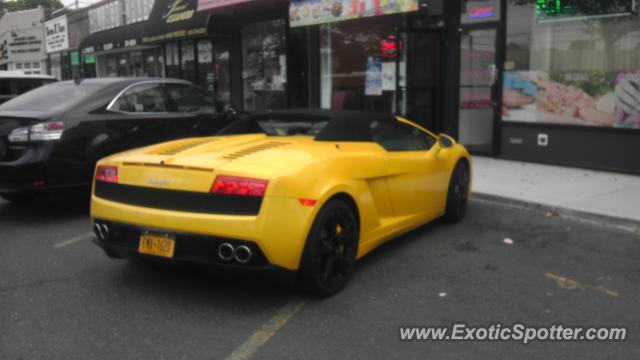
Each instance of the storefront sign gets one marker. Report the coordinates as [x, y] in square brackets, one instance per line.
[313, 12]
[572, 98]
[481, 11]
[174, 19]
[212, 4]
[557, 10]
[56, 35]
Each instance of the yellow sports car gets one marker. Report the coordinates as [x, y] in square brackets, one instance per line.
[308, 191]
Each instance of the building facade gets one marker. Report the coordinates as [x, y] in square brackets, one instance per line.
[22, 45]
[115, 40]
[547, 81]
[63, 35]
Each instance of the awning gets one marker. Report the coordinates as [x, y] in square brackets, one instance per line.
[214, 4]
[123, 37]
[314, 12]
[174, 19]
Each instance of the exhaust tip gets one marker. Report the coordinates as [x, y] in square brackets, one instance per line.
[243, 254]
[97, 231]
[226, 251]
[105, 231]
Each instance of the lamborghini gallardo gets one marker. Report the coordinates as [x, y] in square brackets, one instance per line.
[304, 191]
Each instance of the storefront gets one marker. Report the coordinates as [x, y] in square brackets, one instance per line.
[120, 52]
[572, 84]
[513, 79]
[267, 61]
[194, 48]
[63, 35]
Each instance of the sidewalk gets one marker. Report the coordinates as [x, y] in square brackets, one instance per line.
[576, 190]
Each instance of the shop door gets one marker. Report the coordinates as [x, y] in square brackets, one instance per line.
[478, 92]
[418, 77]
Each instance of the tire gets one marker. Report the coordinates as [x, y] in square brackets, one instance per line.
[17, 198]
[458, 193]
[330, 251]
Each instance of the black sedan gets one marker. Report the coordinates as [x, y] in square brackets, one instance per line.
[51, 137]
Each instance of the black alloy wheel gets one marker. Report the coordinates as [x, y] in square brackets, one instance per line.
[458, 193]
[330, 252]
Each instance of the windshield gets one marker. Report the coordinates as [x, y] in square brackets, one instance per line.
[52, 97]
[278, 125]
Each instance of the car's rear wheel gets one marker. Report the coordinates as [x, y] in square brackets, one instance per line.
[330, 252]
[17, 198]
[458, 193]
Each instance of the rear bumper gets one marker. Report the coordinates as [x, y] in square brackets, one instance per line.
[279, 230]
[33, 173]
[24, 174]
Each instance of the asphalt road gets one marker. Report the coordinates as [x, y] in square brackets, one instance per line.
[61, 298]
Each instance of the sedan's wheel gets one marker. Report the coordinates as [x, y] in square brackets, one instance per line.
[330, 251]
[458, 193]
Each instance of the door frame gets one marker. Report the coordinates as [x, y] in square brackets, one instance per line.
[496, 91]
[500, 26]
[439, 120]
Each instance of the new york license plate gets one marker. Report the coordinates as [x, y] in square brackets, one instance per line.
[157, 245]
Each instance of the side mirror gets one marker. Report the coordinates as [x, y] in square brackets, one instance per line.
[445, 141]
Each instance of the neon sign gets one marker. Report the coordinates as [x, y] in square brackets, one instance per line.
[478, 12]
[549, 10]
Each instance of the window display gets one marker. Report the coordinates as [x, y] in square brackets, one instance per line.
[264, 65]
[358, 64]
[578, 65]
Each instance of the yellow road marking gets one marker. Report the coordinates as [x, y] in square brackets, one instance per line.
[73, 240]
[262, 335]
[571, 284]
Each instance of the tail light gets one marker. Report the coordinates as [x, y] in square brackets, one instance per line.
[47, 131]
[239, 186]
[107, 174]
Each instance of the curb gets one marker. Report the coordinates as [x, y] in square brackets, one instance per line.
[601, 220]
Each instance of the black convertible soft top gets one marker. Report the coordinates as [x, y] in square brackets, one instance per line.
[342, 125]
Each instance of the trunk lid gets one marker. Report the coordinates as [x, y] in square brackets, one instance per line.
[193, 164]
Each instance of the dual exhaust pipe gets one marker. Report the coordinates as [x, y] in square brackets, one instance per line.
[228, 252]
[101, 231]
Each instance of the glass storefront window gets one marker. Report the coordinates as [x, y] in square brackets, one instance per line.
[188, 60]
[172, 54]
[358, 64]
[134, 66]
[152, 62]
[55, 66]
[575, 63]
[213, 69]
[264, 65]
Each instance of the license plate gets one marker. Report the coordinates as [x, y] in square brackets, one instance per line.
[157, 245]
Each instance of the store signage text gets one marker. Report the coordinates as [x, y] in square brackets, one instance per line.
[56, 35]
[313, 12]
[178, 10]
[555, 10]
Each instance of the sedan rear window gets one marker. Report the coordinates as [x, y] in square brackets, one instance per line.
[51, 97]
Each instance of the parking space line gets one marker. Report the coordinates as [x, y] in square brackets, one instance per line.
[73, 240]
[262, 335]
